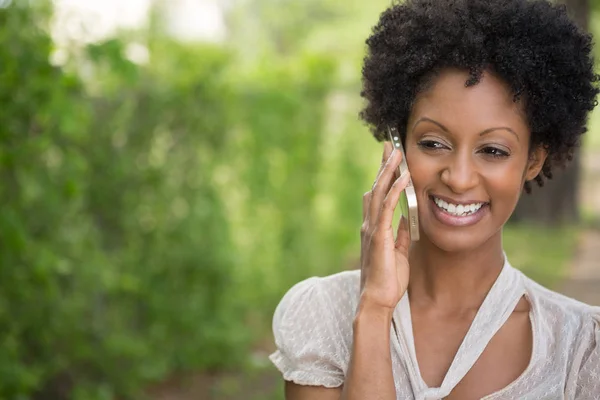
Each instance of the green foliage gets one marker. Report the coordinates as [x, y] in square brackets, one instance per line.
[42, 233]
[115, 251]
[146, 207]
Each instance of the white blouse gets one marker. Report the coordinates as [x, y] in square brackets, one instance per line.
[312, 326]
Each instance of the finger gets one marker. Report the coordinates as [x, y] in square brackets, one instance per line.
[390, 202]
[387, 152]
[383, 184]
[403, 237]
[363, 235]
[396, 170]
[366, 201]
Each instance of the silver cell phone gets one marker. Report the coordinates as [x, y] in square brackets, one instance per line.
[408, 198]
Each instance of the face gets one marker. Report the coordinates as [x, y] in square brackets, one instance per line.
[467, 149]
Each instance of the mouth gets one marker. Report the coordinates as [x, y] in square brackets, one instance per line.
[458, 213]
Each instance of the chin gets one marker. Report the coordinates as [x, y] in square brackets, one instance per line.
[455, 241]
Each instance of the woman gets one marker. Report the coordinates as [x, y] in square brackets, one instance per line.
[490, 96]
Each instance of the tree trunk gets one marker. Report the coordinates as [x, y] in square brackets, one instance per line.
[558, 200]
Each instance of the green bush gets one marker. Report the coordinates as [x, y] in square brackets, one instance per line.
[150, 214]
[115, 250]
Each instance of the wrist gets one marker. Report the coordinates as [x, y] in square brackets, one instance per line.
[369, 311]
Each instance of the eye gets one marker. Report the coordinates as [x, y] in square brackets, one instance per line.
[431, 145]
[495, 152]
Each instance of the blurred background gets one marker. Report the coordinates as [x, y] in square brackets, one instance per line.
[169, 168]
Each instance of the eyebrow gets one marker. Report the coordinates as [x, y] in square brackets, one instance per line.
[485, 132]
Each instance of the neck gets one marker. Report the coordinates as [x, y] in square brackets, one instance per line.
[453, 280]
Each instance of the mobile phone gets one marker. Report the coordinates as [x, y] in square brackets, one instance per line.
[408, 198]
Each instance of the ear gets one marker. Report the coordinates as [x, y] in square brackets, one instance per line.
[536, 162]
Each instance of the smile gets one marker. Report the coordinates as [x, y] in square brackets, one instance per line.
[458, 210]
[458, 215]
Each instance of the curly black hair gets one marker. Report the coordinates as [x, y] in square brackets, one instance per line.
[532, 45]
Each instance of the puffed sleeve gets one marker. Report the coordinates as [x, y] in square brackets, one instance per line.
[311, 332]
[588, 379]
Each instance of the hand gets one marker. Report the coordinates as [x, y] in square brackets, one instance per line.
[384, 260]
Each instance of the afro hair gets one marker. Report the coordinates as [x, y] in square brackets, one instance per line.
[532, 45]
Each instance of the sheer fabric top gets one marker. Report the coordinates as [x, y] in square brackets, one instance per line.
[312, 326]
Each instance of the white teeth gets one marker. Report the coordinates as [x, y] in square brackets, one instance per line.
[458, 210]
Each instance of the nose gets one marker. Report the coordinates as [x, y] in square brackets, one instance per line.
[460, 174]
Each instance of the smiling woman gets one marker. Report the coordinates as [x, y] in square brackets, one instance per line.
[489, 97]
[469, 149]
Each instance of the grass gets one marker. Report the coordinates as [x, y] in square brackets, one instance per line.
[541, 253]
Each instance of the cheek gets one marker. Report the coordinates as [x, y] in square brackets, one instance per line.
[505, 190]
[423, 169]
[504, 186]
[506, 176]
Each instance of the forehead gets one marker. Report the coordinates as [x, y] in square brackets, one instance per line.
[487, 103]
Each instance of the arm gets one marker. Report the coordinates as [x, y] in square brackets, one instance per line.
[384, 279]
[370, 370]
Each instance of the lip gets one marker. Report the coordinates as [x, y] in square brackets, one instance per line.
[454, 220]
[457, 202]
